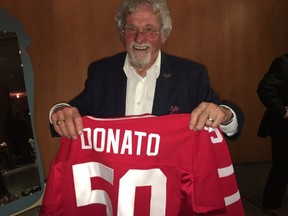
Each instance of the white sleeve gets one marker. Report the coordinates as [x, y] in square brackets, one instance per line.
[232, 127]
[56, 106]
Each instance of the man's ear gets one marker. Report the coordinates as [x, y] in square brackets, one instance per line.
[163, 38]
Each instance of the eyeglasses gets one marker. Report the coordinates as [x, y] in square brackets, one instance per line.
[149, 32]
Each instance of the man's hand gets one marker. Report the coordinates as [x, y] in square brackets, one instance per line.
[210, 115]
[67, 122]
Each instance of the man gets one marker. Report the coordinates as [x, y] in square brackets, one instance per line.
[273, 93]
[144, 80]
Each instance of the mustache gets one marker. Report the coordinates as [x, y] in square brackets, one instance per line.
[135, 44]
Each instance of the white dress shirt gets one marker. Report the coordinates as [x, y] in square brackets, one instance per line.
[140, 90]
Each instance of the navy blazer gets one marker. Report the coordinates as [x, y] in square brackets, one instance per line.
[181, 86]
[273, 93]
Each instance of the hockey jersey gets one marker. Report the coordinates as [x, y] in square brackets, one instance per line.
[142, 166]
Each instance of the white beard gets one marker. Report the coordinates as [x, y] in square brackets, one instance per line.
[139, 61]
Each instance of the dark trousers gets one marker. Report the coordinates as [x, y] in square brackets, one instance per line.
[278, 176]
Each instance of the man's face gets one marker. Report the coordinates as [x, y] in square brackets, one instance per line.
[142, 50]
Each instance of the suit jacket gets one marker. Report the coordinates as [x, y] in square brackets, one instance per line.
[273, 93]
[181, 86]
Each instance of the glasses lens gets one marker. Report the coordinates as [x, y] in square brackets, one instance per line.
[130, 32]
[148, 33]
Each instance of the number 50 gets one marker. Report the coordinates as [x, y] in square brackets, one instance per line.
[82, 174]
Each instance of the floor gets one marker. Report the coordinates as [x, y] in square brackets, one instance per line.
[251, 180]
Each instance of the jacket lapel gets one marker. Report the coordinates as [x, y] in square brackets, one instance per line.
[163, 88]
[121, 95]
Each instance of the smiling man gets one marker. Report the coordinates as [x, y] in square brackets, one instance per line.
[142, 38]
[144, 80]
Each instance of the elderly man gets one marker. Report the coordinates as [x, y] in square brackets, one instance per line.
[144, 79]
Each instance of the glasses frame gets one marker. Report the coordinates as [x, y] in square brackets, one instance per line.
[148, 32]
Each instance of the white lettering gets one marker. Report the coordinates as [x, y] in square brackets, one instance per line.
[137, 178]
[118, 141]
[139, 141]
[102, 134]
[83, 143]
[82, 174]
[219, 138]
[113, 140]
[127, 142]
[127, 184]
[156, 139]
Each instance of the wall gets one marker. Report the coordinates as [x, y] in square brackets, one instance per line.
[235, 39]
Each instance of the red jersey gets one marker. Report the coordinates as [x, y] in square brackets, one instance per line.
[142, 166]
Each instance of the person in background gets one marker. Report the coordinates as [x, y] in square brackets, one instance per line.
[144, 79]
[273, 93]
